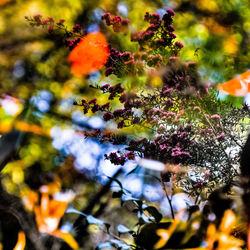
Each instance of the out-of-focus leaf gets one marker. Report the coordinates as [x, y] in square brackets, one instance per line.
[154, 212]
[117, 194]
[122, 229]
[92, 220]
[73, 210]
[120, 244]
[8, 143]
[107, 227]
[21, 241]
[131, 205]
[90, 54]
[141, 222]
[67, 237]
[104, 245]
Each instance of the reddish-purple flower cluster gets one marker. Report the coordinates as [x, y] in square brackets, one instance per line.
[118, 158]
[119, 24]
[199, 184]
[115, 159]
[77, 28]
[120, 115]
[130, 100]
[92, 105]
[152, 18]
[160, 32]
[115, 90]
[168, 17]
[170, 146]
[167, 148]
[157, 36]
[107, 116]
[49, 22]
[113, 62]
[130, 155]
[215, 117]
[164, 105]
[179, 45]
[220, 137]
[104, 106]
[105, 87]
[51, 25]
[182, 77]
[118, 63]
[123, 117]
[154, 60]
[71, 43]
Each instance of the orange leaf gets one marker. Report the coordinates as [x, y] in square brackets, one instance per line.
[67, 237]
[238, 86]
[90, 54]
[21, 241]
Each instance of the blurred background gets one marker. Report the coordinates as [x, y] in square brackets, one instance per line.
[42, 132]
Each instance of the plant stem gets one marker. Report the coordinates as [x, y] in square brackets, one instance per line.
[169, 200]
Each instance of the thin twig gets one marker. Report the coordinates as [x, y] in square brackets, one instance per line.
[169, 200]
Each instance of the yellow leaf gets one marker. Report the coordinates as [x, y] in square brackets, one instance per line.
[21, 241]
[67, 237]
[228, 221]
[164, 234]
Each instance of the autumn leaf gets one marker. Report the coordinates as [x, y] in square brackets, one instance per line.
[238, 86]
[90, 54]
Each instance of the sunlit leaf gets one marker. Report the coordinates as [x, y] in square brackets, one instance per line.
[68, 238]
[21, 241]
